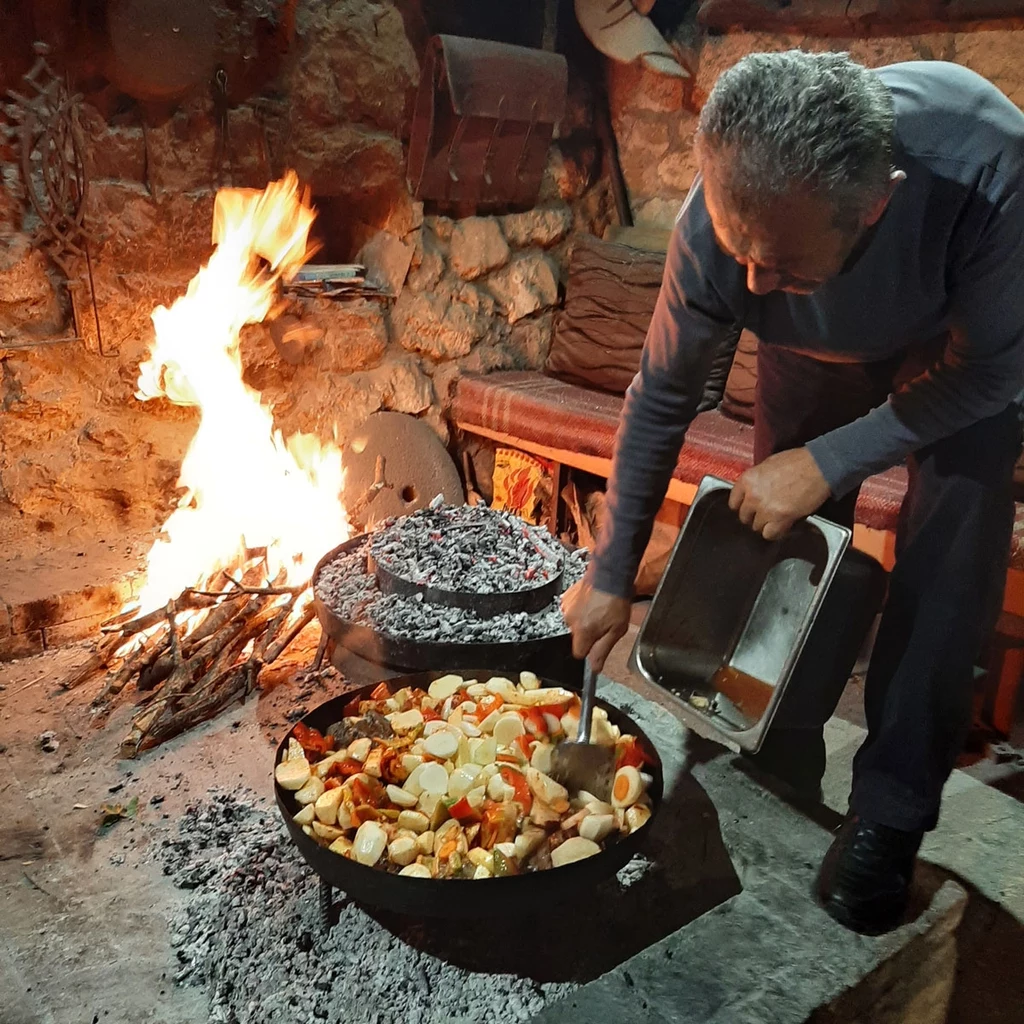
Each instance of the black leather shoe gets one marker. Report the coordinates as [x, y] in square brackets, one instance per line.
[864, 882]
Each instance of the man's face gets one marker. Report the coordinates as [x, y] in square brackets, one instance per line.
[792, 246]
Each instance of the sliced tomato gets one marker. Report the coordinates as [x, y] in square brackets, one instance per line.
[533, 719]
[518, 782]
[312, 741]
[332, 782]
[488, 704]
[551, 709]
[363, 793]
[364, 812]
[345, 768]
[632, 754]
[525, 744]
[463, 813]
[429, 714]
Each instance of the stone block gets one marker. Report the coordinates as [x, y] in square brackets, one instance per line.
[543, 226]
[355, 334]
[478, 247]
[55, 637]
[29, 300]
[403, 385]
[113, 151]
[677, 170]
[180, 152]
[633, 87]
[530, 339]
[427, 263]
[5, 621]
[355, 64]
[348, 160]
[21, 645]
[657, 213]
[90, 601]
[435, 326]
[527, 285]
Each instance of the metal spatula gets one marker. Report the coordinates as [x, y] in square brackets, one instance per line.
[579, 764]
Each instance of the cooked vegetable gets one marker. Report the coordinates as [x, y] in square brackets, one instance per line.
[369, 843]
[576, 848]
[454, 782]
[292, 774]
[311, 791]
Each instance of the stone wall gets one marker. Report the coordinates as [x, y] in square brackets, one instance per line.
[79, 455]
[654, 117]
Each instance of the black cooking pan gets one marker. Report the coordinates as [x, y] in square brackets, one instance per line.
[460, 897]
[550, 653]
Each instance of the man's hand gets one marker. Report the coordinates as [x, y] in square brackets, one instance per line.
[772, 496]
[597, 620]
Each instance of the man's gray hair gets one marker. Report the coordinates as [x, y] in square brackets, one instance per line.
[782, 122]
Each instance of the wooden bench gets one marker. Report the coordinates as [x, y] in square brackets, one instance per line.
[575, 427]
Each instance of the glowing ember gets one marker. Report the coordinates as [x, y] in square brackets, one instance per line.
[247, 486]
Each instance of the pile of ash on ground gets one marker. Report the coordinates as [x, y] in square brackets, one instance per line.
[250, 934]
[469, 549]
[347, 587]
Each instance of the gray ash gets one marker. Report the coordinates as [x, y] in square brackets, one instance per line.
[347, 587]
[467, 548]
[250, 935]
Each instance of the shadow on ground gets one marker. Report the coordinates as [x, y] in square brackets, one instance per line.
[990, 949]
[688, 872]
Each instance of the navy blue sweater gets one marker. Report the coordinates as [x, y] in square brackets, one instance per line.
[946, 260]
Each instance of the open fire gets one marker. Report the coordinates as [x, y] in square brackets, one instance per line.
[246, 486]
[227, 581]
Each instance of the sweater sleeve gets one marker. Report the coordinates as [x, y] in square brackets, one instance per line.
[691, 323]
[981, 373]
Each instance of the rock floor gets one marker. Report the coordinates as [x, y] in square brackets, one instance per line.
[93, 929]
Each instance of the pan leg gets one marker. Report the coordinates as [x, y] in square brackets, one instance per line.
[326, 900]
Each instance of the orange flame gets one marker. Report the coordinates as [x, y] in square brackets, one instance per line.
[247, 486]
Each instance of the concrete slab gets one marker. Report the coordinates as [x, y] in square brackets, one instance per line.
[769, 953]
[760, 951]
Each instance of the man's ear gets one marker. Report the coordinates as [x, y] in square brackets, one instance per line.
[878, 209]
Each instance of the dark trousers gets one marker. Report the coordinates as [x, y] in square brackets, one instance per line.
[945, 591]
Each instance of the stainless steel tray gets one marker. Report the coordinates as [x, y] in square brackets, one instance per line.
[744, 632]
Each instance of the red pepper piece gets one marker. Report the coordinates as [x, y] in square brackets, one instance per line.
[533, 719]
[463, 813]
[311, 741]
[525, 744]
[518, 782]
[632, 754]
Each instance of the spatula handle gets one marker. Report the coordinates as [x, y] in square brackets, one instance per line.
[586, 703]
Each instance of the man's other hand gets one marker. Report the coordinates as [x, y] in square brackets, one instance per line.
[783, 489]
[597, 620]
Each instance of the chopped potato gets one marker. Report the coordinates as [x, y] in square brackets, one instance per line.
[461, 786]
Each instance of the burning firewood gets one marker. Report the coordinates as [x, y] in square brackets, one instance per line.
[266, 504]
[198, 654]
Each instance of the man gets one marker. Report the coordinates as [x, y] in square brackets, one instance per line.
[868, 228]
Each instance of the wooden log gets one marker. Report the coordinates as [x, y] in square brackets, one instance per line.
[277, 649]
[230, 687]
[136, 662]
[96, 662]
[183, 602]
